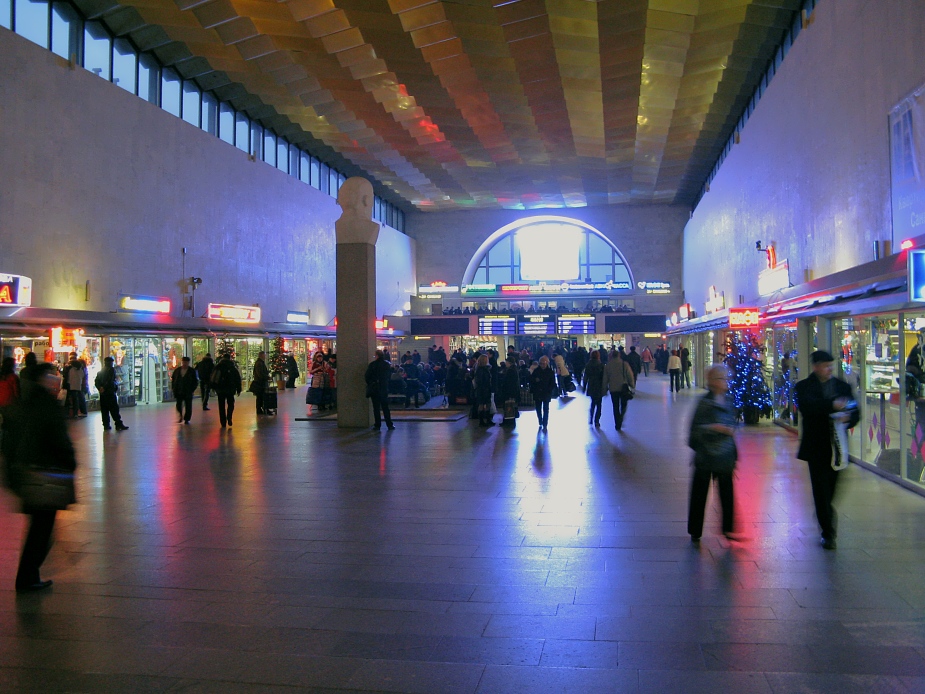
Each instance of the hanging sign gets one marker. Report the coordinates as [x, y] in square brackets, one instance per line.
[744, 318]
[234, 313]
[145, 304]
[298, 317]
[15, 290]
[916, 279]
[716, 301]
[685, 312]
[774, 279]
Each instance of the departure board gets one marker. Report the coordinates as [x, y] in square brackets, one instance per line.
[497, 325]
[536, 324]
[578, 324]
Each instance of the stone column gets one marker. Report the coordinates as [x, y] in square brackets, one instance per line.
[356, 300]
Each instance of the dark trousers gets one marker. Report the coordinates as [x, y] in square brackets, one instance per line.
[675, 375]
[261, 409]
[542, 412]
[76, 403]
[35, 548]
[620, 402]
[205, 389]
[290, 381]
[645, 368]
[824, 480]
[185, 402]
[109, 406]
[686, 377]
[700, 487]
[381, 410]
[595, 415]
[225, 407]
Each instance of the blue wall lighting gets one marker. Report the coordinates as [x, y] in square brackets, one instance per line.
[916, 274]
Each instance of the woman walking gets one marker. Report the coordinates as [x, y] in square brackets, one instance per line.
[542, 385]
[482, 383]
[316, 376]
[594, 387]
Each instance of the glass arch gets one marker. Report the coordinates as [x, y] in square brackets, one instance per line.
[551, 250]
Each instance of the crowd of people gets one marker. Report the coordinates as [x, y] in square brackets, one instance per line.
[482, 309]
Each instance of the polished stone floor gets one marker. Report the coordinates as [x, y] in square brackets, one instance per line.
[285, 556]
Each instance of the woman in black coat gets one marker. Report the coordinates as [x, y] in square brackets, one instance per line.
[542, 385]
[35, 438]
[595, 387]
[482, 383]
[510, 393]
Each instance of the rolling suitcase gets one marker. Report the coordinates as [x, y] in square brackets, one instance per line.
[270, 401]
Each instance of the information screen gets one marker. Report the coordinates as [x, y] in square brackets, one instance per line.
[497, 325]
[537, 324]
[579, 324]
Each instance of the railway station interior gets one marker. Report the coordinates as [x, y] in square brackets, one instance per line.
[179, 178]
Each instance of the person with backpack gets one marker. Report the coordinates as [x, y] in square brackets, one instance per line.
[204, 371]
[105, 383]
[226, 382]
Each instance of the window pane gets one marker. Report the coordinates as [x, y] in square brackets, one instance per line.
[332, 185]
[269, 147]
[305, 167]
[65, 30]
[282, 154]
[242, 132]
[6, 14]
[226, 123]
[148, 80]
[123, 65]
[294, 155]
[377, 207]
[499, 275]
[170, 91]
[97, 50]
[32, 21]
[209, 113]
[257, 140]
[192, 103]
[325, 178]
[316, 173]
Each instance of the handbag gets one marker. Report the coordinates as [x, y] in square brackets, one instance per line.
[46, 489]
[628, 391]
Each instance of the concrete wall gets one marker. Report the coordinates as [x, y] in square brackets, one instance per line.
[100, 186]
[648, 236]
[812, 172]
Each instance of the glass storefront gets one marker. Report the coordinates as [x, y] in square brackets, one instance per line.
[784, 352]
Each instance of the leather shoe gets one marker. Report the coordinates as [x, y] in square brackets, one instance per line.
[828, 543]
[392, 426]
[122, 428]
[32, 587]
[205, 409]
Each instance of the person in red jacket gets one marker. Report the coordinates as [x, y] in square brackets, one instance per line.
[9, 382]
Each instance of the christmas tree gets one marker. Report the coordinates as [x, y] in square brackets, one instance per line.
[748, 387]
[226, 346]
[278, 356]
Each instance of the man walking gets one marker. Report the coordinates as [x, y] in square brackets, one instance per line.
[204, 371]
[822, 399]
[377, 389]
[105, 383]
[226, 380]
[618, 375]
[183, 383]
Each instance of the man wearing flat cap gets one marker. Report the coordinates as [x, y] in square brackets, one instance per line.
[824, 399]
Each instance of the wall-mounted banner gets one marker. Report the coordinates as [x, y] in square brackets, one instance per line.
[15, 290]
[916, 279]
[655, 287]
[907, 165]
[744, 318]
[234, 313]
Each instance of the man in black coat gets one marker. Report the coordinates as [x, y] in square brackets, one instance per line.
[819, 397]
[377, 389]
[204, 372]
[183, 382]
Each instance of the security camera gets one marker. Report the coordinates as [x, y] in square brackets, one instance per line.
[195, 280]
[758, 246]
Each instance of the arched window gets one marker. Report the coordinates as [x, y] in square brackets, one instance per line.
[548, 250]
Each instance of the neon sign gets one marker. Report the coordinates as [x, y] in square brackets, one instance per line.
[774, 279]
[15, 290]
[233, 313]
[655, 287]
[298, 317]
[916, 271]
[716, 301]
[146, 304]
[744, 318]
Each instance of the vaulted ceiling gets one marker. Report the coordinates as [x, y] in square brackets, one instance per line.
[481, 103]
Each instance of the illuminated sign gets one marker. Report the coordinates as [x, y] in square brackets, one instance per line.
[298, 317]
[382, 326]
[537, 324]
[685, 313]
[64, 340]
[438, 288]
[15, 290]
[674, 320]
[651, 334]
[546, 287]
[497, 325]
[579, 324]
[744, 318]
[774, 279]
[146, 304]
[231, 312]
[430, 296]
[716, 300]
[906, 245]
[916, 279]
[655, 287]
